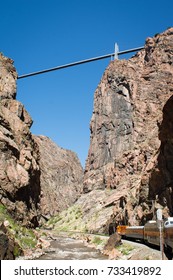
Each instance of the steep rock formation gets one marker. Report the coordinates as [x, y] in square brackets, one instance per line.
[8, 78]
[19, 170]
[61, 177]
[130, 161]
[37, 178]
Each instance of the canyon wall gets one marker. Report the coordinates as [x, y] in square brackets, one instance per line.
[129, 169]
[37, 178]
[19, 170]
[61, 177]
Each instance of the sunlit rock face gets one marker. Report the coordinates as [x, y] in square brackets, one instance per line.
[131, 142]
[19, 170]
[61, 177]
[8, 77]
[37, 178]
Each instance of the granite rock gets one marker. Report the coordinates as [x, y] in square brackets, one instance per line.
[61, 177]
[131, 152]
[19, 170]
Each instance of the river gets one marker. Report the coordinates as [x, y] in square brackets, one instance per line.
[65, 248]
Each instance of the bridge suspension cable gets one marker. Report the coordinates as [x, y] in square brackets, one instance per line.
[115, 55]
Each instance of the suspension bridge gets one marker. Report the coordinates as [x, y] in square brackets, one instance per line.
[111, 55]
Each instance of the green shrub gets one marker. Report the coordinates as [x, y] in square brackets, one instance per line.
[125, 249]
[97, 240]
[23, 237]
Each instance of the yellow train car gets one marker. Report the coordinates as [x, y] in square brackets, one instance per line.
[150, 233]
[136, 232]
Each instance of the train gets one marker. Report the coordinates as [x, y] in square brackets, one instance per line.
[150, 233]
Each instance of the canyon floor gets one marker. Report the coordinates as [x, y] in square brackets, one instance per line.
[76, 246]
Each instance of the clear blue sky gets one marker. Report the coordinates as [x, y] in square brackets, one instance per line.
[39, 34]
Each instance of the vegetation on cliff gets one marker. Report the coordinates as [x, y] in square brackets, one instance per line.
[20, 238]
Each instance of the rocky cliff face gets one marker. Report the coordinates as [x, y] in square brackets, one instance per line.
[19, 170]
[37, 178]
[130, 161]
[61, 177]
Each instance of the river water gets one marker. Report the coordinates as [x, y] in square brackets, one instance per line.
[65, 248]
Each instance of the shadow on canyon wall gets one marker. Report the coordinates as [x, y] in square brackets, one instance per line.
[161, 179]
